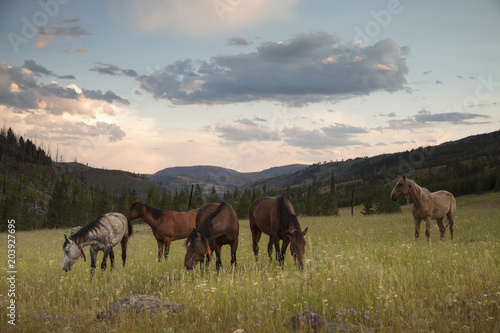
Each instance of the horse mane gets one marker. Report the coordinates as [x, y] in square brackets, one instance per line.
[206, 229]
[86, 229]
[419, 191]
[285, 215]
[155, 212]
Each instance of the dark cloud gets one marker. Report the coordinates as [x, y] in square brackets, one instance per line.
[42, 71]
[108, 96]
[426, 118]
[237, 41]
[448, 117]
[20, 89]
[110, 69]
[308, 68]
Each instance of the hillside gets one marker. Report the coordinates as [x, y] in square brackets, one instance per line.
[175, 178]
[463, 166]
[113, 180]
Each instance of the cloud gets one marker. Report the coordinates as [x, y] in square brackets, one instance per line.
[243, 130]
[202, 18]
[338, 135]
[20, 89]
[48, 34]
[425, 118]
[108, 96]
[110, 69]
[306, 69]
[42, 71]
[237, 41]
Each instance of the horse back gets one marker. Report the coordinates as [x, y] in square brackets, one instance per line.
[444, 202]
[264, 215]
[115, 227]
[178, 224]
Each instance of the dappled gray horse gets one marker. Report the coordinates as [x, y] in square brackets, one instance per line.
[102, 234]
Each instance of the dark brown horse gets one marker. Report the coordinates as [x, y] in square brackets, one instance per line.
[426, 206]
[220, 226]
[276, 218]
[167, 225]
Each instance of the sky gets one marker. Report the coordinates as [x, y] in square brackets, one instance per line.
[142, 85]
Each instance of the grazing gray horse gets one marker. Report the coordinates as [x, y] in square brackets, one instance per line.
[102, 234]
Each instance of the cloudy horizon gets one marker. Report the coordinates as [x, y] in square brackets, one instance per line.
[144, 85]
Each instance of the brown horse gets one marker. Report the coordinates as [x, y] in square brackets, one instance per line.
[427, 205]
[276, 218]
[167, 225]
[220, 226]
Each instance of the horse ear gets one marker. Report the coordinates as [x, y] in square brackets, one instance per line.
[305, 231]
[404, 177]
[67, 239]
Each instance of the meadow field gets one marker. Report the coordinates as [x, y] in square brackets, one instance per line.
[364, 270]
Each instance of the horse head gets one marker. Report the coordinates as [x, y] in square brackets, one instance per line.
[402, 188]
[196, 249]
[72, 251]
[297, 245]
[133, 212]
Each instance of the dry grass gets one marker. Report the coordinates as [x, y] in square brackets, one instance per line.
[368, 271]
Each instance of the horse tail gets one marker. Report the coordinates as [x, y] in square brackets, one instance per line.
[447, 222]
[130, 229]
[215, 212]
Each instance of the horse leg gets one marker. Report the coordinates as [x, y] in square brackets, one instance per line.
[417, 227]
[167, 247]
[428, 229]
[124, 250]
[104, 259]
[279, 255]
[160, 249]
[284, 246]
[112, 258]
[234, 247]
[218, 263]
[441, 226]
[270, 248]
[256, 233]
[451, 222]
[93, 259]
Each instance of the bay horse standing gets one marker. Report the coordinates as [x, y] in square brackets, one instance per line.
[219, 226]
[276, 218]
[167, 225]
[426, 206]
[102, 234]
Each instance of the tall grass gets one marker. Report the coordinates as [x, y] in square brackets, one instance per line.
[365, 270]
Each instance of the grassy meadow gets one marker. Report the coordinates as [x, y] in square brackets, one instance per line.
[365, 270]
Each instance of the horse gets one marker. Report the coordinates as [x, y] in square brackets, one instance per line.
[427, 205]
[276, 218]
[167, 225]
[220, 226]
[102, 234]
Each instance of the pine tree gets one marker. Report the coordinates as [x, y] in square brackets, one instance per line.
[197, 200]
[59, 204]
[213, 196]
[101, 204]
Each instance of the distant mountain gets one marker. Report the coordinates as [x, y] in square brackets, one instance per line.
[205, 170]
[222, 179]
[283, 170]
